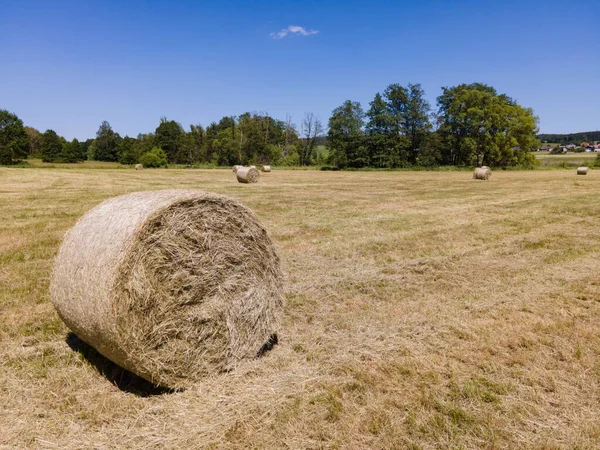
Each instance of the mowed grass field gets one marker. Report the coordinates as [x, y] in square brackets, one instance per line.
[570, 159]
[424, 310]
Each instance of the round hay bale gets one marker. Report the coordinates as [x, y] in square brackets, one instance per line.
[582, 170]
[248, 175]
[139, 167]
[172, 285]
[484, 167]
[266, 168]
[481, 174]
[253, 167]
[236, 168]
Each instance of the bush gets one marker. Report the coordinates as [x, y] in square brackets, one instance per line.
[154, 158]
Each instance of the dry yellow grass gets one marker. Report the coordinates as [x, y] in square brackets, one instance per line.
[424, 310]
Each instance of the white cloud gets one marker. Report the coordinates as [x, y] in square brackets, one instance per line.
[293, 29]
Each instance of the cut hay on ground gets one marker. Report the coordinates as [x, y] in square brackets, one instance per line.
[236, 167]
[482, 174]
[248, 175]
[582, 170]
[139, 167]
[266, 168]
[172, 285]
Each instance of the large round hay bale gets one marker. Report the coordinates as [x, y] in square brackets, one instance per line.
[248, 175]
[481, 174]
[266, 168]
[582, 170]
[172, 285]
[236, 168]
[139, 167]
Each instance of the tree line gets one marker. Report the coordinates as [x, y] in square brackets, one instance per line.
[472, 125]
[572, 138]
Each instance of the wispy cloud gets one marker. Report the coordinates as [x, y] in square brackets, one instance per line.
[293, 29]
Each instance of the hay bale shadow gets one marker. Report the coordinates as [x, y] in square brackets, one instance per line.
[121, 378]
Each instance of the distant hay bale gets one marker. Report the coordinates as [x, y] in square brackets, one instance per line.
[139, 167]
[582, 170]
[172, 285]
[248, 175]
[266, 168]
[482, 174]
[236, 167]
[253, 167]
[484, 167]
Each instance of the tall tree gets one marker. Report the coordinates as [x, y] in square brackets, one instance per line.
[480, 126]
[345, 136]
[196, 144]
[106, 143]
[409, 116]
[34, 141]
[72, 152]
[169, 138]
[14, 143]
[416, 118]
[379, 133]
[51, 146]
[311, 129]
[128, 151]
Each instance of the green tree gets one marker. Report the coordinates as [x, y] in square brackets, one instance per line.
[71, 152]
[105, 147]
[128, 151]
[479, 126]
[14, 143]
[345, 136]
[379, 133]
[34, 141]
[154, 158]
[51, 146]
[409, 116]
[226, 148]
[260, 137]
[195, 145]
[169, 136]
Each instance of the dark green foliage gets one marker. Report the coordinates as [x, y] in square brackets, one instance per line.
[51, 146]
[154, 158]
[572, 138]
[14, 143]
[128, 151]
[346, 137]
[72, 152]
[169, 135]
[105, 146]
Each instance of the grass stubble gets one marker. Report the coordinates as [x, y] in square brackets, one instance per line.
[424, 311]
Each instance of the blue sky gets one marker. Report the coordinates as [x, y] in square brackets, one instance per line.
[69, 65]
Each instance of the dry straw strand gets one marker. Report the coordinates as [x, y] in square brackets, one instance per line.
[481, 173]
[172, 285]
[582, 170]
[248, 175]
